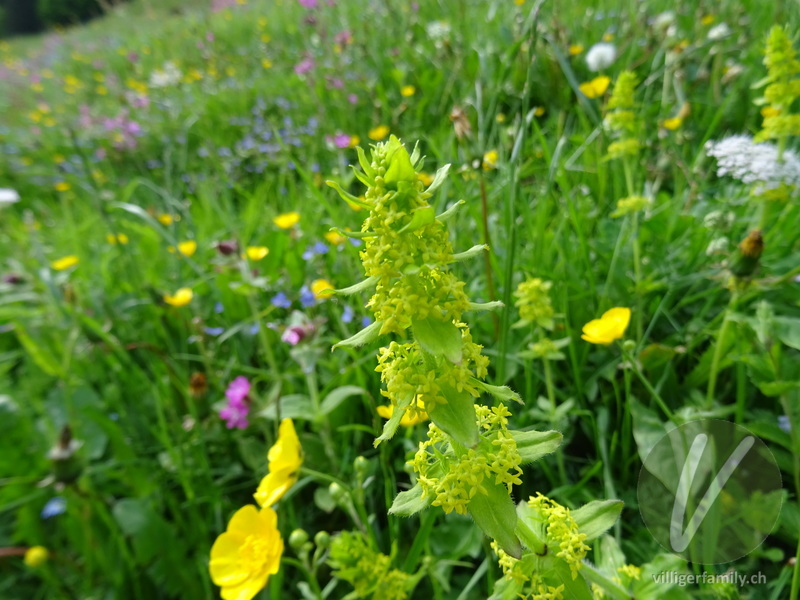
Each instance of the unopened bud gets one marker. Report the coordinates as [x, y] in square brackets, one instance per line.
[297, 538]
[322, 539]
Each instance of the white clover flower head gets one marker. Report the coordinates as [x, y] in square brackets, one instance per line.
[438, 31]
[738, 156]
[718, 32]
[663, 20]
[601, 56]
[8, 196]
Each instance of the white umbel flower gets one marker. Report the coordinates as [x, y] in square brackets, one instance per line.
[8, 196]
[741, 158]
[718, 32]
[167, 76]
[601, 56]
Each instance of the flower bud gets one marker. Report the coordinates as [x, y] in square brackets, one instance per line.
[628, 345]
[36, 556]
[337, 492]
[322, 540]
[297, 538]
[361, 465]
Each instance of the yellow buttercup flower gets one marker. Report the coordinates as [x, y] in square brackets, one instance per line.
[62, 186]
[673, 123]
[596, 87]
[707, 20]
[65, 263]
[287, 220]
[490, 160]
[575, 49]
[285, 458]
[409, 418]
[335, 238]
[407, 91]
[256, 252]
[117, 238]
[36, 556]
[318, 286]
[608, 328]
[425, 178]
[243, 558]
[181, 298]
[378, 133]
[770, 111]
[187, 248]
[166, 219]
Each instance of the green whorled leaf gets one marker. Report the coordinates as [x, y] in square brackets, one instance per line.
[530, 528]
[339, 395]
[787, 330]
[501, 392]
[438, 337]
[390, 427]
[495, 305]
[365, 336]
[292, 406]
[362, 177]
[410, 502]
[416, 157]
[777, 388]
[533, 445]
[356, 235]
[496, 515]
[506, 589]
[574, 589]
[597, 517]
[450, 212]
[364, 162]
[400, 168]
[424, 215]
[456, 417]
[368, 283]
[438, 179]
[347, 196]
[471, 253]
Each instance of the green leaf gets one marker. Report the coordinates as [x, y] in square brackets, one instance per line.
[532, 445]
[356, 235]
[390, 427]
[364, 162]
[416, 158]
[424, 215]
[339, 395]
[369, 334]
[293, 406]
[777, 388]
[496, 305]
[438, 337]
[500, 392]
[788, 331]
[410, 502]
[595, 518]
[438, 179]
[368, 283]
[347, 196]
[450, 212]
[400, 167]
[471, 253]
[456, 417]
[41, 356]
[496, 515]
[574, 589]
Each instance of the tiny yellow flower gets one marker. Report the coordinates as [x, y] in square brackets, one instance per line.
[65, 263]
[609, 37]
[354, 141]
[770, 111]
[318, 286]
[409, 418]
[285, 458]
[425, 178]
[575, 49]
[187, 248]
[538, 111]
[36, 556]
[673, 123]
[332, 237]
[287, 220]
[378, 133]
[62, 186]
[181, 298]
[490, 160]
[707, 20]
[166, 219]
[256, 252]
[118, 238]
[266, 63]
[407, 91]
[608, 328]
[500, 118]
[243, 558]
[596, 87]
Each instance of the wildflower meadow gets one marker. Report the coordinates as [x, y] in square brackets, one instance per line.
[387, 300]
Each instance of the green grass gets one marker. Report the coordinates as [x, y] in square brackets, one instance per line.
[235, 143]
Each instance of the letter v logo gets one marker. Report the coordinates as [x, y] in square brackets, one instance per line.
[680, 538]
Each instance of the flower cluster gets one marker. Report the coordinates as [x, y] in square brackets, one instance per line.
[561, 532]
[453, 474]
[783, 69]
[250, 550]
[534, 304]
[621, 119]
[741, 157]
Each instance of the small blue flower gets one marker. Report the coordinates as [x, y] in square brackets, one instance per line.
[218, 308]
[281, 300]
[214, 330]
[307, 298]
[55, 506]
[354, 241]
[366, 322]
[347, 314]
[254, 329]
[320, 248]
[783, 423]
[308, 253]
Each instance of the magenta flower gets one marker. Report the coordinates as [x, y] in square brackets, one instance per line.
[304, 66]
[343, 38]
[341, 140]
[235, 413]
[308, 3]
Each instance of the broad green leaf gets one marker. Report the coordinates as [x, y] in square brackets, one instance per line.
[400, 167]
[500, 392]
[339, 395]
[574, 589]
[365, 336]
[438, 337]
[424, 215]
[410, 502]
[532, 445]
[456, 417]
[496, 515]
[390, 427]
[596, 517]
[788, 331]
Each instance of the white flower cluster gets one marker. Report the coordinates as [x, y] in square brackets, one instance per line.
[8, 196]
[169, 75]
[601, 56]
[749, 162]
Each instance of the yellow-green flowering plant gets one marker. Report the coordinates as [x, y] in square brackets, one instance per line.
[471, 459]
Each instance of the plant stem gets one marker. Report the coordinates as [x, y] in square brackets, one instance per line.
[718, 349]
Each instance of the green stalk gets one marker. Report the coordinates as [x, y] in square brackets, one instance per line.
[551, 395]
[718, 348]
